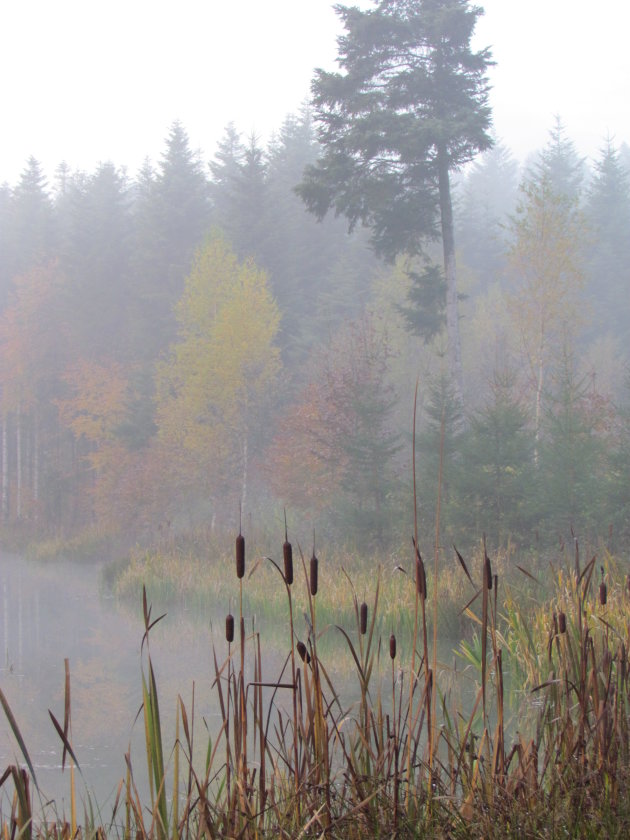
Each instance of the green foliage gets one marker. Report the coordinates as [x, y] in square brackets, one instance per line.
[618, 473]
[439, 453]
[411, 93]
[497, 484]
[572, 461]
[608, 256]
[426, 313]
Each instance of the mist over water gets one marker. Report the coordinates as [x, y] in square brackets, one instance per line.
[55, 611]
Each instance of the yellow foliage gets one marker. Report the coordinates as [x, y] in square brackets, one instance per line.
[97, 405]
[221, 369]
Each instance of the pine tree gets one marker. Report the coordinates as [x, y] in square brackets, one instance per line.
[488, 197]
[608, 262]
[96, 259]
[239, 195]
[409, 108]
[31, 221]
[559, 164]
[172, 216]
[496, 489]
[572, 463]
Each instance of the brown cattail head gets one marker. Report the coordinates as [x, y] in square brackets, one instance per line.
[603, 593]
[303, 653]
[240, 556]
[229, 628]
[313, 575]
[562, 622]
[421, 577]
[488, 571]
[363, 615]
[392, 647]
[287, 553]
[628, 584]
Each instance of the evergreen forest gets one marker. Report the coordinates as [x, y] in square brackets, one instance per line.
[188, 342]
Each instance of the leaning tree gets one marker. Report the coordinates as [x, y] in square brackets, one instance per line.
[409, 106]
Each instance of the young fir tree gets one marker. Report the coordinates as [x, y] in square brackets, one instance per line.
[439, 456]
[497, 486]
[572, 463]
[607, 210]
[618, 476]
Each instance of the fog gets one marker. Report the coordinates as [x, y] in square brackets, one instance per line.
[187, 353]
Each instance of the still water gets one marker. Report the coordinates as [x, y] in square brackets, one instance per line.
[55, 611]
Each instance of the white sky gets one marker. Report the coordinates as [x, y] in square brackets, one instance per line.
[87, 81]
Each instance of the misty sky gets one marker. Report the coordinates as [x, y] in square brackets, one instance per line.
[88, 82]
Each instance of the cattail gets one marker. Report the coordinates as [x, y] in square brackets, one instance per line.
[313, 576]
[287, 553]
[363, 615]
[628, 584]
[392, 647]
[421, 577]
[603, 593]
[303, 653]
[229, 628]
[240, 556]
[488, 572]
[562, 622]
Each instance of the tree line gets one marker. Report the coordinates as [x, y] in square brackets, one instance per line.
[190, 340]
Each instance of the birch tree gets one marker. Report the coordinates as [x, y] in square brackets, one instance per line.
[220, 372]
[545, 264]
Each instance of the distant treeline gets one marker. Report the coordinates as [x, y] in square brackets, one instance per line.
[179, 343]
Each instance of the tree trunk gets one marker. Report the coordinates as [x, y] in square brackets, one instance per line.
[35, 461]
[5, 470]
[18, 466]
[244, 481]
[454, 347]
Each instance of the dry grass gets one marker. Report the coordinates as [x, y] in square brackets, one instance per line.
[292, 759]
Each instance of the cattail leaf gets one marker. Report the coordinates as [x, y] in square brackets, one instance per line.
[18, 735]
[464, 566]
[528, 574]
[66, 744]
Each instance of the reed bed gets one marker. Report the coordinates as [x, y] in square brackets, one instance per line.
[406, 758]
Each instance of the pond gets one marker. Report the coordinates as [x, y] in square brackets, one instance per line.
[57, 611]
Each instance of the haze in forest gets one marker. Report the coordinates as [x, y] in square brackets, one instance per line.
[87, 84]
[222, 312]
[185, 341]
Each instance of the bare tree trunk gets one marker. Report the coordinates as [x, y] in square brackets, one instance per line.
[35, 461]
[18, 466]
[5, 470]
[538, 408]
[454, 347]
[244, 482]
